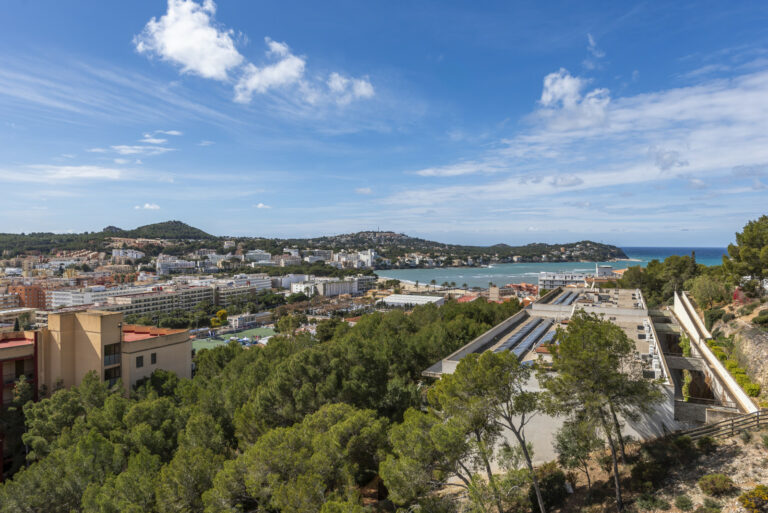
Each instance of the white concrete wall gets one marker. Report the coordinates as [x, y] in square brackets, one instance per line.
[694, 329]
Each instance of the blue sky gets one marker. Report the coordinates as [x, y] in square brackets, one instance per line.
[634, 124]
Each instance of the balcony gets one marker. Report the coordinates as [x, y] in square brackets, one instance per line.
[111, 359]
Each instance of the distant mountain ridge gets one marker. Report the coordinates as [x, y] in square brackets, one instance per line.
[165, 230]
[386, 243]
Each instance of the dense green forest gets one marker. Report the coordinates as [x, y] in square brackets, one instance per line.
[296, 426]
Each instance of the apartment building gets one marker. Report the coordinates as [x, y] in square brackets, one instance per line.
[75, 343]
[164, 300]
[8, 301]
[89, 295]
[30, 296]
[225, 296]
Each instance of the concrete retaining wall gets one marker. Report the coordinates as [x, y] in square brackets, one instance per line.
[721, 381]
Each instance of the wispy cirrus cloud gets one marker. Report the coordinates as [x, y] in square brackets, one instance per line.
[44, 173]
[583, 140]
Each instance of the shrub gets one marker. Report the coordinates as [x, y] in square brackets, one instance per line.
[647, 502]
[706, 444]
[712, 316]
[683, 443]
[748, 309]
[755, 500]
[745, 436]
[552, 486]
[709, 506]
[765, 441]
[646, 473]
[752, 389]
[761, 319]
[715, 484]
[683, 503]
[728, 317]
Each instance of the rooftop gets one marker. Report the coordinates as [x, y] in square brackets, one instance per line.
[134, 333]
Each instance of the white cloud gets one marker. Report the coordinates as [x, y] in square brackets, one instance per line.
[205, 143]
[188, 36]
[149, 139]
[346, 89]
[44, 173]
[121, 161]
[125, 149]
[169, 132]
[147, 206]
[566, 181]
[287, 70]
[666, 159]
[593, 49]
[262, 205]
[561, 89]
[364, 190]
[648, 147]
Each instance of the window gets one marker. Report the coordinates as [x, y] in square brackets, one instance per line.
[112, 354]
[112, 375]
[139, 362]
[153, 358]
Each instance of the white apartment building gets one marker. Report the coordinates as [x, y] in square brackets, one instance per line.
[364, 283]
[90, 295]
[550, 280]
[285, 282]
[306, 287]
[167, 265]
[131, 254]
[336, 288]
[258, 255]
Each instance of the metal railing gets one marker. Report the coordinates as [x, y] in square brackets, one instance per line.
[729, 427]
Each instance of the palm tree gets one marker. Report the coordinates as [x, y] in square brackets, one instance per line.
[433, 282]
[453, 284]
[464, 286]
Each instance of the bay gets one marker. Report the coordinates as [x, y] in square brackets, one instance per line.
[501, 274]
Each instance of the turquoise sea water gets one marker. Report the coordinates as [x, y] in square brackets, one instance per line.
[501, 274]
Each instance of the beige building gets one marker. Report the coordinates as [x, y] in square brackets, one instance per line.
[75, 343]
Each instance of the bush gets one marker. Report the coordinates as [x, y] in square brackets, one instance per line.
[748, 309]
[709, 506]
[647, 502]
[755, 500]
[712, 316]
[765, 441]
[683, 443]
[761, 319]
[745, 436]
[728, 317]
[715, 484]
[752, 389]
[552, 485]
[683, 503]
[645, 473]
[706, 444]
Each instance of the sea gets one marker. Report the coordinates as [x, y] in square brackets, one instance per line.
[501, 274]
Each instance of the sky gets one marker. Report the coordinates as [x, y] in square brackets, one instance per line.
[636, 124]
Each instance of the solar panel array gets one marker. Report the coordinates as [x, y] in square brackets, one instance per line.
[566, 299]
[531, 339]
[517, 337]
[546, 338]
